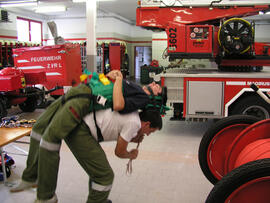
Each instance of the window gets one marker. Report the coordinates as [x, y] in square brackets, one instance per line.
[29, 30]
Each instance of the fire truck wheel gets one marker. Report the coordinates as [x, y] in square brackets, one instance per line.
[211, 134]
[29, 105]
[247, 183]
[3, 110]
[254, 106]
[41, 100]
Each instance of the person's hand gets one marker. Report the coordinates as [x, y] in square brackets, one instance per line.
[138, 139]
[133, 153]
[114, 74]
[156, 89]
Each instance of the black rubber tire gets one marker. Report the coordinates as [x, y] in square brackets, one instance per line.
[30, 104]
[236, 178]
[40, 97]
[252, 105]
[210, 134]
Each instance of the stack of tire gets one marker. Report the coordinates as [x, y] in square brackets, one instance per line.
[234, 155]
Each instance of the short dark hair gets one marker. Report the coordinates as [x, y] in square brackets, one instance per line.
[153, 117]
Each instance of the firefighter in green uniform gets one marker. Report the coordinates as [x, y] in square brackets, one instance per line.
[62, 119]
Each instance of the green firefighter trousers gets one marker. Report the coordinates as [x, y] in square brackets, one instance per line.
[63, 121]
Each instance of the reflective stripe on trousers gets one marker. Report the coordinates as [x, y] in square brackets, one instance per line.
[101, 188]
[35, 135]
[49, 145]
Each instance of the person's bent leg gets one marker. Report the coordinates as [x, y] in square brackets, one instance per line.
[47, 169]
[29, 176]
[30, 172]
[92, 158]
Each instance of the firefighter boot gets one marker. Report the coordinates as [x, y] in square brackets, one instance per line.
[23, 185]
[52, 200]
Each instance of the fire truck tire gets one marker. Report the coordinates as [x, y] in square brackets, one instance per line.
[29, 105]
[254, 106]
[239, 179]
[209, 136]
[3, 110]
[40, 97]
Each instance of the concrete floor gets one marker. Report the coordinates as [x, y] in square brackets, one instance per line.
[166, 170]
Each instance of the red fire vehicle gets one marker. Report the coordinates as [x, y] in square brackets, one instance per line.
[211, 30]
[16, 88]
[57, 68]
[61, 64]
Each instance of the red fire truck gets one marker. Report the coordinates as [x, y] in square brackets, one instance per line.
[61, 63]
[57, 68]
[211, 30]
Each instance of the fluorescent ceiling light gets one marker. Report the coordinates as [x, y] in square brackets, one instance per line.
[79, 1]
[18, 3]
[48, 9]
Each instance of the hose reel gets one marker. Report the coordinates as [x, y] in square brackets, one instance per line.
[236, 36]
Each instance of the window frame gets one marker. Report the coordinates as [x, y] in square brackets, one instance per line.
[29, 24]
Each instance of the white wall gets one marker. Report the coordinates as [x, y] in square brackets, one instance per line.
[9, 29]
[159, 44]
[69, 28]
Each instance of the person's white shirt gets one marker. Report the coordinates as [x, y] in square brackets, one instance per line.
[112, 124]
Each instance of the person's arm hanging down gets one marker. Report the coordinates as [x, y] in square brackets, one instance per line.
[121, 150]
[118, 99]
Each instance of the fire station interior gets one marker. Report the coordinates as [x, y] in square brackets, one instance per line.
[213, 146]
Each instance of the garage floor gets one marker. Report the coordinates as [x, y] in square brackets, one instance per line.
[166, 171]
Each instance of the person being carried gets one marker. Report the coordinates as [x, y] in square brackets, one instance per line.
[126, 96]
